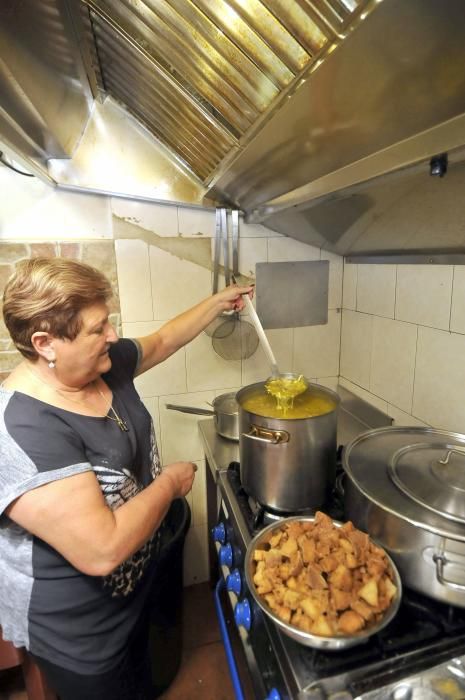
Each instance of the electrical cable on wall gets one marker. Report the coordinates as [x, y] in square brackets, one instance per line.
[12, 167]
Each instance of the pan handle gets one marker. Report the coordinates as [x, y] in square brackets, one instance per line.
[440, 561]
[273, 437]
[190, 409]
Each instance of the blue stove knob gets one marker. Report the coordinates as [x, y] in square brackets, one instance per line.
[273, 695]
[234, 582]
[225, 555]
[243, 614]
[219, 533]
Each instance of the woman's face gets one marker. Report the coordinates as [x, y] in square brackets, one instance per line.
[81, 360]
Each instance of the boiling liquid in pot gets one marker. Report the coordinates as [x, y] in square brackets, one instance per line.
[305, 405]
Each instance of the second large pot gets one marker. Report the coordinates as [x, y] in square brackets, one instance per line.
[288, 464]
[406, 488]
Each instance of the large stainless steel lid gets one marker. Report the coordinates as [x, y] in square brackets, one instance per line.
[416, 473]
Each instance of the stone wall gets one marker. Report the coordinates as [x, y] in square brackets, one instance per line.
[99, 254]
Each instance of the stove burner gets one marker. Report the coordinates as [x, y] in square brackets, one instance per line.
[264, 515]
[258, 516]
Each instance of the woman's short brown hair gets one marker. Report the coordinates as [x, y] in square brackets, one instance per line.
[48, 294]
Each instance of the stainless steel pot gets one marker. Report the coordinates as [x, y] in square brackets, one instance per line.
[287, 464]
[406, 488]
[225, 412]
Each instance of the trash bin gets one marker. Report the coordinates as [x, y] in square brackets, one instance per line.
[166, 597]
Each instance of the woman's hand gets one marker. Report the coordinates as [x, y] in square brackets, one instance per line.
[181, 475]
[230, 299]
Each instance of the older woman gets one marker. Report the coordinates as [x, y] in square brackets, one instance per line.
[82, 492]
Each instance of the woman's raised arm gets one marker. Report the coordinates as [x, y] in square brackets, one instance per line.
[185, 327]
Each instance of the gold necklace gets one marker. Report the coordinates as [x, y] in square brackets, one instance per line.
[122, 425]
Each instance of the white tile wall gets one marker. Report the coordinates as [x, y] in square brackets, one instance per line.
[376, 286]
[167, 378]
[356, 344]
[252, 251]
[257, 368]
[133, 265]
[393, 361]
[316, 348]
[457, 316]
[349, 286]
[180, 435]
[424, 294]
[440, 379]
[208, 370]
[176, 284]
[412, 365]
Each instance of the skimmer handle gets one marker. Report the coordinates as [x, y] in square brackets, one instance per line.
[261, 334]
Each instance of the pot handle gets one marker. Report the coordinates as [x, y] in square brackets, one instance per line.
[440, 561]
[273, 437]
[190, 409]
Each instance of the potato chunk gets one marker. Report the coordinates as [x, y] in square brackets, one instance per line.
[369, 592]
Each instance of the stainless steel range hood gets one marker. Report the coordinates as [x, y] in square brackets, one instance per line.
[318, 118]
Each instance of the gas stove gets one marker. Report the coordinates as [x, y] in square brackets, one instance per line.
[420, 655]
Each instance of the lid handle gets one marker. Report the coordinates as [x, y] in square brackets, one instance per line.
[457, 450]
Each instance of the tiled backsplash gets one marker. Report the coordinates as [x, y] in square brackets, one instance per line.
[403, 341]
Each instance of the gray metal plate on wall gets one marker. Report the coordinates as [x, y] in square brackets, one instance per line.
[292, 294]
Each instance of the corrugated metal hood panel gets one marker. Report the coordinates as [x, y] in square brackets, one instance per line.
[391, 95]
[200, 74]
[292, 110]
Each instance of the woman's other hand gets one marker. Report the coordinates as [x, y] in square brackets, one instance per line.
[72, 516]
[181, 475]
